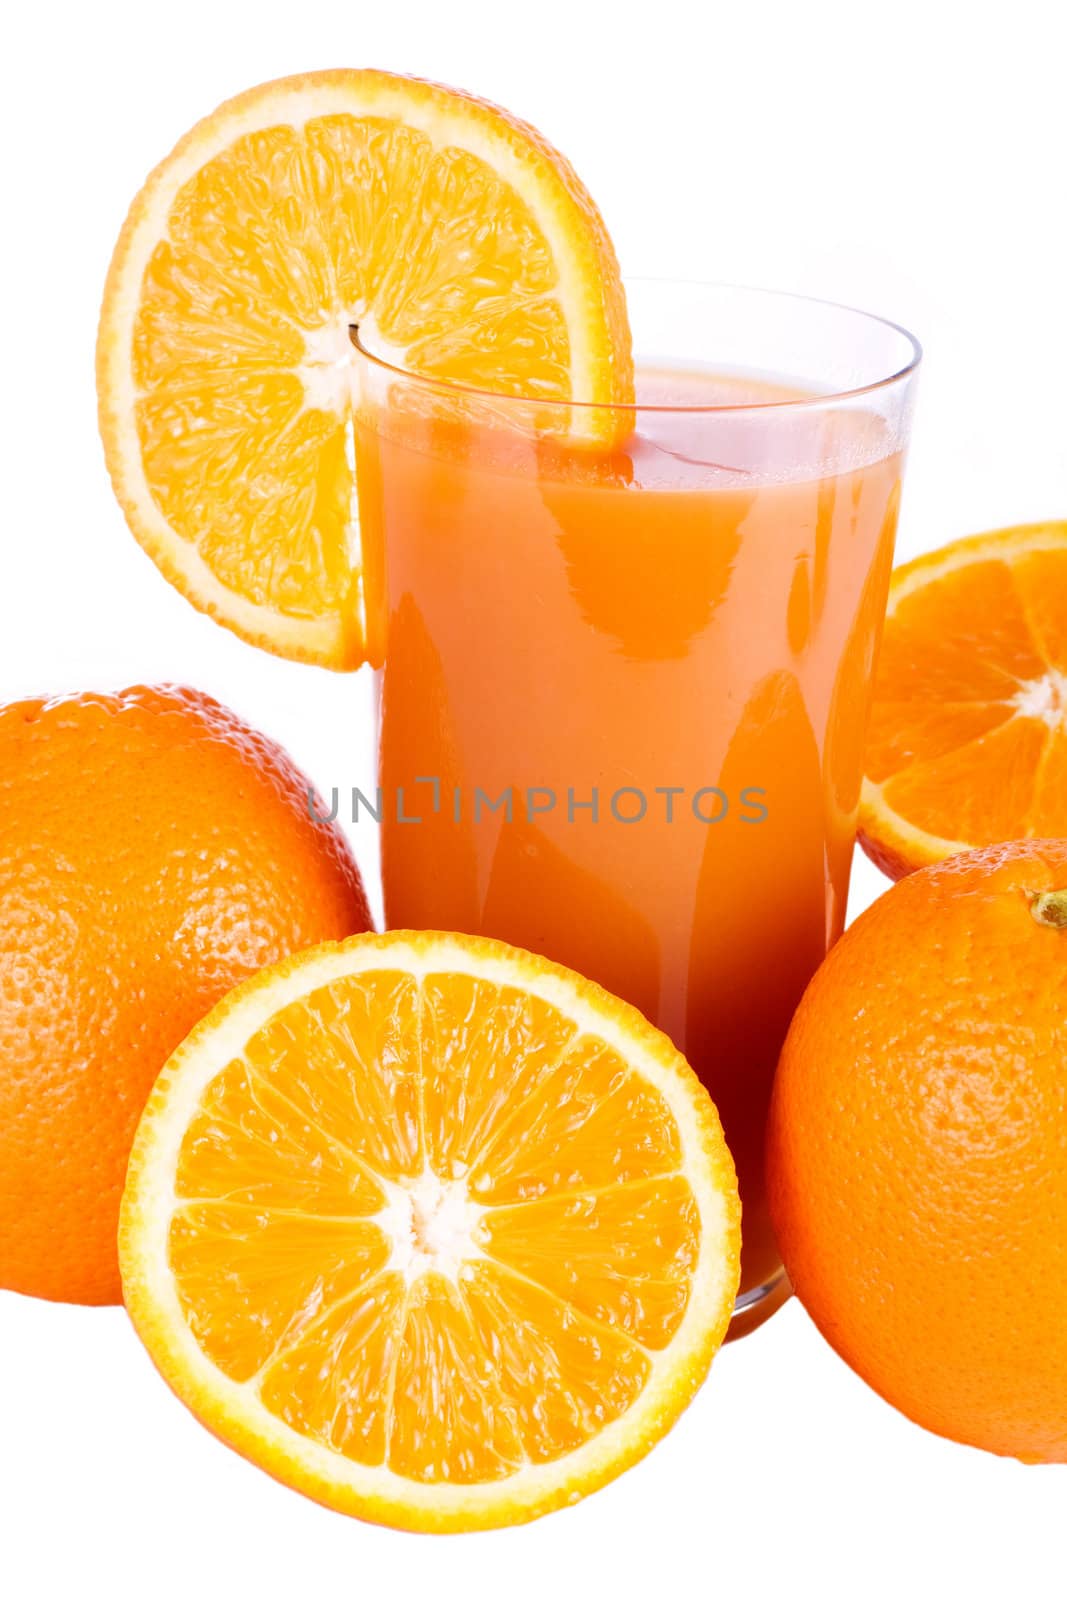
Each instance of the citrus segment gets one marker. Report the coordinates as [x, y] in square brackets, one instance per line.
[1046, 817]
[487, 1047]
[452, 235]
[278, 1267]
[967, 743]
[595, 1122]
[638, 1282]
[431, 1228]
[980, 791]
[245, 1133]
[1040, 581]
[339, 1403]
[361, 1026]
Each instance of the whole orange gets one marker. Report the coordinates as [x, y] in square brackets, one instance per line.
[154, 851]
[917, 1156]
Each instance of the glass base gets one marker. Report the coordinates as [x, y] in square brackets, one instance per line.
[756, 1305]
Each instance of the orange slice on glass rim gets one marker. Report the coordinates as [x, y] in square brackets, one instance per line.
[967, 743]
[458, 241]
[431, 1229]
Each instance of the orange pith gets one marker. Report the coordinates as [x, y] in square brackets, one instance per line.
[967, 742]
[458, 241]
[431, 1229]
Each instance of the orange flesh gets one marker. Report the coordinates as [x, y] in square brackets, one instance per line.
[243, 411]
[968, 735]
[284, 1261]
[556, 620]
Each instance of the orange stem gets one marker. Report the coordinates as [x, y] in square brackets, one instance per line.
[1050, 909]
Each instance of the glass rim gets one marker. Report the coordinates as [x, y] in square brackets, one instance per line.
[798, 403]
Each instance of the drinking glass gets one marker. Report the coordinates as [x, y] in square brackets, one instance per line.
[627, 662]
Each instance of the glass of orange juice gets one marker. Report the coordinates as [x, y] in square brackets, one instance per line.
[627, 660]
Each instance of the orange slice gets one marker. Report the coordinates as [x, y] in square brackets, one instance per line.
[431, 1229]
[457, 240]
[968, 736]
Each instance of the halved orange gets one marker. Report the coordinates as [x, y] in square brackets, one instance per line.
[458, 241]
[431, 1229]
[968, 734]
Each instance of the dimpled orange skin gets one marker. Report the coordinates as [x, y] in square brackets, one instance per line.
[917, 1149]
[154, 852]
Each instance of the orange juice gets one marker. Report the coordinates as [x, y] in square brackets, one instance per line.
[623, 703]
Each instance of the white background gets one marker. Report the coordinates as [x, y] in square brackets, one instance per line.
[905, 157]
